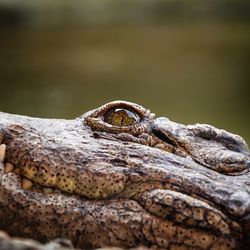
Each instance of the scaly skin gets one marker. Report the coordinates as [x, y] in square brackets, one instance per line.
[156, 183]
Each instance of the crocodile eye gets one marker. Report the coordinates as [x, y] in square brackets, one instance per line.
[121, 117]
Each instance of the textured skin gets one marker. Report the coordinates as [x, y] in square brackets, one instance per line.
[10, 243]
[157, 184]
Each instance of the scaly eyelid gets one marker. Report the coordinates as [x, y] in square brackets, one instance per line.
[142, 112]
[96, 122]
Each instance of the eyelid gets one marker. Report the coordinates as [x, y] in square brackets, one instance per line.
[95, 118]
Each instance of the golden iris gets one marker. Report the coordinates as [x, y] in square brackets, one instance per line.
[121, 117]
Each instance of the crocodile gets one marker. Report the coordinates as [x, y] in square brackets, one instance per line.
[119, 176]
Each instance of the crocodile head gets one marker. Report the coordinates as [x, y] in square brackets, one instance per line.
[119, 176]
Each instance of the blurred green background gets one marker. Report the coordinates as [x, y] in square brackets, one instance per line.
[187, 60]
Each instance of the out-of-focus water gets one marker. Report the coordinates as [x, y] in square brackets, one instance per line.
[188, 71]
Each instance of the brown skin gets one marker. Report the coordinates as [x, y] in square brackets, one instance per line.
[153, 182]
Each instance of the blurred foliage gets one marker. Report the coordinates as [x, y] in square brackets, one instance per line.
[61, 12]
[187, 60]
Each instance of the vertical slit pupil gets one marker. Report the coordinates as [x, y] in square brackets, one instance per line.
[121, 117]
